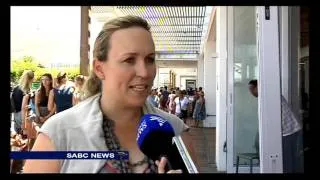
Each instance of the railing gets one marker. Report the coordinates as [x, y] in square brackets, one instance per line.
[185, 155]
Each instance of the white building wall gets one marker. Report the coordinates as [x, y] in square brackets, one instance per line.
[210, 83]
[182, 74]
[183, 81]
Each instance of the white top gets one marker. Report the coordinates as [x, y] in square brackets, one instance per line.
[80, 129]
[178, 104]
[184, 103]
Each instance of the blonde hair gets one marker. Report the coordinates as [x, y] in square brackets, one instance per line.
[101, 48]
[26, 80]
[80, 78]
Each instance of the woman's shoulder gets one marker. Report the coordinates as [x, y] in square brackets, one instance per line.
[83, 116]
[76, 115]
[177, 124]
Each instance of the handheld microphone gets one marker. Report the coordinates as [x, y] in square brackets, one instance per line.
[154, 138]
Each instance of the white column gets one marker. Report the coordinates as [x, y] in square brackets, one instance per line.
[269, 102]
[221, 90]
[210, 83]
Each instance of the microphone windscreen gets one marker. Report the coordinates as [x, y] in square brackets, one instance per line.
[154, 136]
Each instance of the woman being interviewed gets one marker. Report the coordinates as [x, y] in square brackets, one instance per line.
[123, 73]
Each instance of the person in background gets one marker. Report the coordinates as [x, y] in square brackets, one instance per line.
[177, 104]
[61, 96]
[200, 90]
[199, 113]
[292, 145]
[161, 103]
[171, 90]
[123, 73]
[171, 107]
[153, 98]
[164, 99]
[17, 95]
[190, 91]
[78, 95]
[41, 99]
[28, 116]
[194, 99]
[184, 105]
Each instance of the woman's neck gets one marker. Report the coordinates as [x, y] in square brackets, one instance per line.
[120, 114]
[47, 90]
[61, 85]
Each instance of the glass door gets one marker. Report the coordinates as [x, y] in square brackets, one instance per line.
[242, 125]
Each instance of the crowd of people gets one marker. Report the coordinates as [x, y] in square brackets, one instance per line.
[186, 104]
[31, 108]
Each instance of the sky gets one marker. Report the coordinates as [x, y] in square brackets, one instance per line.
[51, 34]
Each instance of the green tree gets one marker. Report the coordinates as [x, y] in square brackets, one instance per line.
[29, 63]
[26, 63]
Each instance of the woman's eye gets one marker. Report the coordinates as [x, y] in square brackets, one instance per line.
[151, 60]
[129, 60]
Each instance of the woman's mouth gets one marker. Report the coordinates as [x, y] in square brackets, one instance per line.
[139, 88]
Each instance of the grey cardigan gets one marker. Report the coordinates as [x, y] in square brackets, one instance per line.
[80, 129]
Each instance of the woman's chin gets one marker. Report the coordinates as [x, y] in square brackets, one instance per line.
[137, 102]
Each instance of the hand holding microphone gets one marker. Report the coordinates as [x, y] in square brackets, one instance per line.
[161, 167]
[155, 141]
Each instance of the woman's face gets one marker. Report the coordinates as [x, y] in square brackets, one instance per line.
[46, 81]
[128, 74]
[31, 80]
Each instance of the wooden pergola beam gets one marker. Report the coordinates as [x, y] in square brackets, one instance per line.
[84, 41]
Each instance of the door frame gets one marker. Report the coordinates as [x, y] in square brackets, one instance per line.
[191, 80]
[269, 89]
[230, 80]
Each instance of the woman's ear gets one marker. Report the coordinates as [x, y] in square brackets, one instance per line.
[98, 69]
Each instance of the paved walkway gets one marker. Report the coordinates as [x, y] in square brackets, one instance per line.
[201, 145]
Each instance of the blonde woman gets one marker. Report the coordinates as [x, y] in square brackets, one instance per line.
[123, 72]
[18, 92]
[78, 95]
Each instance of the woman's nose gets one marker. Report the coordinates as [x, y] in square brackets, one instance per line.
[142, 69]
